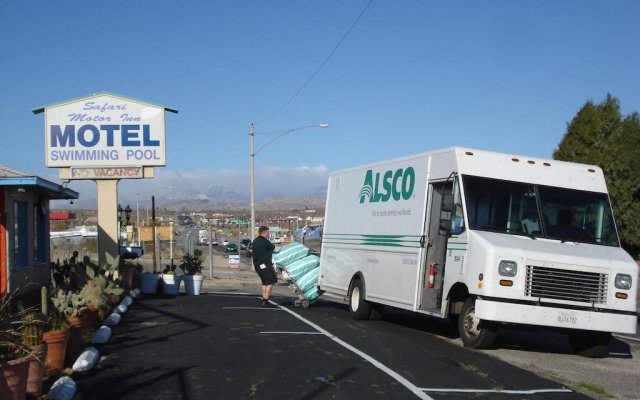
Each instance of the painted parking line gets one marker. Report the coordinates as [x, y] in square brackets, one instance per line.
[291, 333]
[402, 380]
[627, 338]
[419, 392]
[504, 391]
[252, 308]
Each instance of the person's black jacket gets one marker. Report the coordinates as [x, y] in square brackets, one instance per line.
[262, 251]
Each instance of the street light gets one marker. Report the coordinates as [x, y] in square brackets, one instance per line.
[253, 154]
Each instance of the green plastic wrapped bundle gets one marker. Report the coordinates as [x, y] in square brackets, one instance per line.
[301, 267]
[313, 293]
[308, 280]
[290, 253]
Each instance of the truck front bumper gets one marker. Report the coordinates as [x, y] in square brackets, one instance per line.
[528, 314]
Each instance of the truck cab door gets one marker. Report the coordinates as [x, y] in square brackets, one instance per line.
[438, 230]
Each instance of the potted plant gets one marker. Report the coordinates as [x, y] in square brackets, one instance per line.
[128, 270]
[31, 331]
[14, 355]
[76, 307]
[149, 282]
[57, 334]
[191, 267]
[170, 280]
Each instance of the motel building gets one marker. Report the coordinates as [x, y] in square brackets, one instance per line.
[24, 231]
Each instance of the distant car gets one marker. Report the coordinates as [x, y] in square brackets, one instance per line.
[225, 242]
[214, 242]
[231, 248]
[244, 243]
[131, 252]
[249, 252]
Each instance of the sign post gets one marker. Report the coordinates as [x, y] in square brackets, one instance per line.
[105, 138]
[234, 261]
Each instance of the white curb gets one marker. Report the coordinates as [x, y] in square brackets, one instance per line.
[63, 389]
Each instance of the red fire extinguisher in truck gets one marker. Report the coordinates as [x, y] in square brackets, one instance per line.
[432, 275]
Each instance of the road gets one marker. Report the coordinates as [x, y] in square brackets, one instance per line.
[224, 346]
[547, 354]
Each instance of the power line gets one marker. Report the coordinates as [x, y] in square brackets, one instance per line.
[321, 65]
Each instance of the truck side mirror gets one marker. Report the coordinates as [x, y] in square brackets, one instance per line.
[447, 203]
[445, 227]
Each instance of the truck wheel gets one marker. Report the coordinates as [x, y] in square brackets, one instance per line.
[360, 308]
[590, 344]
[475, 334]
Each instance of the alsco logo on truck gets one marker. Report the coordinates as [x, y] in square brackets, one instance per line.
[396, 184]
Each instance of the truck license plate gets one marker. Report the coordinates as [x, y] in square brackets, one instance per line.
[567, 318]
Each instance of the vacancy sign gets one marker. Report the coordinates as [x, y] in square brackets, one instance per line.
[104, 130]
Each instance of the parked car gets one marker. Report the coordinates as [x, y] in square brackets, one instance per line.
[244, 243]
[231, 248]
[225, 242]
[249, 252]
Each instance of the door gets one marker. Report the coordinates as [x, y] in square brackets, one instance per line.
[436, 246]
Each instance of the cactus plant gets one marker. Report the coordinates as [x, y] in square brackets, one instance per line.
[31, 329]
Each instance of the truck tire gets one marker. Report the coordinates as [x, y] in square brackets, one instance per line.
[360, 308]
[475, 334]
[590, 344]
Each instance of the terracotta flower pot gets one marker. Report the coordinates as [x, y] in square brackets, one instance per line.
[74, 346]
[127, 277]
[13, 378]
[36, 370]
[56, 349]
[90, 321]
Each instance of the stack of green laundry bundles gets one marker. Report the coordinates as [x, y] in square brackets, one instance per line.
[290, 253]
[300, 267]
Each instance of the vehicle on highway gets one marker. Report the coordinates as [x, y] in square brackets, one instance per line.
[203, 236]
[244, 243]
[491, 238]
[131, 252]
[231, 248]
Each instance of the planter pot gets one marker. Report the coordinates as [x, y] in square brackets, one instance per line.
[36, 370]
[149, 283]
[90, 322]
[171, 283]
[13, 378]
[74, 345]
[56, 349]
[192, 284]
[127, 277]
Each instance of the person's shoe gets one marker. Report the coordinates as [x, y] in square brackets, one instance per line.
[265, 303]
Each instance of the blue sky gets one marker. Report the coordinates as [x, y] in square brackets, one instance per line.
[412, 76]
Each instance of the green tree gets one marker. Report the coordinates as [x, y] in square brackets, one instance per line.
[599, 134]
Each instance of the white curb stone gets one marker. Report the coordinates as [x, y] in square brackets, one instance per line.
[86, 360]
[63, 389]
[113, 319]
[121, 308]
[127, 301]
[101, 335]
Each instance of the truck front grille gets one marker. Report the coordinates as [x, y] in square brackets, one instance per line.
[561, 284]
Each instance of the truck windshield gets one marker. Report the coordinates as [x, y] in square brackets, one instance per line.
[539, 211]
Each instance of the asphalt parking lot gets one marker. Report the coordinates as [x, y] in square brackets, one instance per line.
[224, 346]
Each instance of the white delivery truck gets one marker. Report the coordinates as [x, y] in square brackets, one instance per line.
[485, 237]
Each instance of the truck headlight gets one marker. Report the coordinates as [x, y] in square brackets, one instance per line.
[507, 268]
[623, 281]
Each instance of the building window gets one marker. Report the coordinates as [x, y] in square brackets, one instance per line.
[39, 234]
[20, 235]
